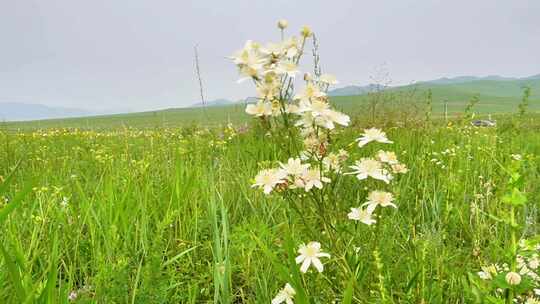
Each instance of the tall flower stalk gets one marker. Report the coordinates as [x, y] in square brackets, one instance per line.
[310, 180]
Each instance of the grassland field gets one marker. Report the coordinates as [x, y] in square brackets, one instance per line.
[163, 211]
[496, 97]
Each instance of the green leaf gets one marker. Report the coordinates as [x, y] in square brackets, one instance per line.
[48, 294]
[347, 295]
[181, 254]
[14, 275]
[515, 197]
[14, 203]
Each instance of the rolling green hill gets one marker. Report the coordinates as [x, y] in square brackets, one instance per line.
[496, 96]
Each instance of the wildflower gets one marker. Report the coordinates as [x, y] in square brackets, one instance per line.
[269, 178]
[372, 134]
[368, 167]
[247, 72]
[513, 278]
[362, 215]
[259, 109]
[285, 295]
[306, 31]
[534, 263]
[282, 24]
[310, 254]
[388, 157]
[517, 157]
[332, 162]
[268, 89]
[399, 168]
[286, 67]
[343, 155]
[532, 300]
[295, 167]
[313, 178]
[248, 56]
[487, 272]
[309, 92]
[379, 198]
[336, 117]
[72, 296]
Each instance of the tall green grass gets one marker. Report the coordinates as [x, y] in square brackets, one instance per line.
[167, 215]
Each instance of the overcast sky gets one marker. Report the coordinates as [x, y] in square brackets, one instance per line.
[138, 54]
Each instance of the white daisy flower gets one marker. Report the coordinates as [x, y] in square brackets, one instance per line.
[372, 134]
[295, 167]
[368, 167]
[313, 178]
[310, 254]
[269, 178]
[362, 215]
[379, 198]
[259, 109]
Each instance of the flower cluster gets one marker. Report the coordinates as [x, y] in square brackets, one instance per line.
[526, 274]
[382, 167]
[306, 176]
[291, 175]
[273, 68]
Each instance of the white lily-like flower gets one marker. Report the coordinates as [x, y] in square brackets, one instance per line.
[337, 117]
[295, 167]
[313, 178]
[285, 295]
[309, 92]
[268, 89]
[248, 57]
[310, 254]
[368, 167]
[247, 72]
[269, 178]
[259, 109]
[317, 107]
[286, 67]
[318, 111]
[362, 215]
[372, 134]
[379, 198]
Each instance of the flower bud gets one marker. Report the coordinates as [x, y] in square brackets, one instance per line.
[282, 24]
[306, 31]
[308, 77]
[513, 278]
[534, 263]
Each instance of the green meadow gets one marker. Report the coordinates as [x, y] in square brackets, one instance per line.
[158, 207]
[495, 97]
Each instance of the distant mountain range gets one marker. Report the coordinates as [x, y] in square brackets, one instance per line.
[462, 79]
[360, 90]
[492, 85]
[25, 111]
[354, 90]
